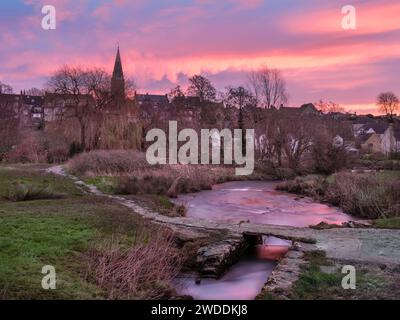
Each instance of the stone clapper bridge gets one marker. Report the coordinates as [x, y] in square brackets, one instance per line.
[347, 245]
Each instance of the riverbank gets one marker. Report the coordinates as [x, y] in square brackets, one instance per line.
[372, 195]
[91, 208]
[47, 219]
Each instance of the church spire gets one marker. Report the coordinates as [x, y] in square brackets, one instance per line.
[117, 80]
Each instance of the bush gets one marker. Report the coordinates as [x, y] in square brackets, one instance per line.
[313, 185]
[110, 162]
[29, 150]
[26, 192]
[365, 196]
[143, 271]
[173, 180]
[329, 159]
[285, 173]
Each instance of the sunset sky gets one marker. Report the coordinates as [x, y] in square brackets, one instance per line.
[164, 42]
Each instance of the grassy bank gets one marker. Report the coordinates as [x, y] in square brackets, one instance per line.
[83, 237]
[128, 173]
[321, 279]
[364, 195]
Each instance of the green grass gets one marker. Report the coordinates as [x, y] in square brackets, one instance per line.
[10, 176]
[389, 175]
[389, 223]
[160, 204]
[56, 232]
[314, 283]
[105, 184]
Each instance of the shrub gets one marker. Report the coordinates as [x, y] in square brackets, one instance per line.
[285, 173]
[312, 185]
[328, 159]
[29, 150]
[110, 162]
[26, 192]
[143, 271]
[173, 180]
[366, 196]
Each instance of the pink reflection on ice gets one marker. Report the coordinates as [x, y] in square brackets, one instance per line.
[259, 202]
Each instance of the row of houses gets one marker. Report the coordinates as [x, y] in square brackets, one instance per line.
[378, 136]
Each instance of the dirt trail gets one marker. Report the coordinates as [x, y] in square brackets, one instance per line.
[375, 246]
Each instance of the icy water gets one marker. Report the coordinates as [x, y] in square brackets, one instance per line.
[243, 281]
[256, 202]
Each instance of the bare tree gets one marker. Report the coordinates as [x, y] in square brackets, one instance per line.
[268, 87]
[71, 83]
[239, 97]
[86, 93]
[388, 103]
[176, 94]
[34, 92]
[328, 106]
[299, 132]
[9, 125]
[201, 87]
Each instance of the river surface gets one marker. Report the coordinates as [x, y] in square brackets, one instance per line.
[255, 202]
[258, 202]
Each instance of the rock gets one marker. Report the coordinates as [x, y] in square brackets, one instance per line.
[215, 259]
[362, 224]
[284, 275]
[198, 281]
[323, 225]
[296, 246]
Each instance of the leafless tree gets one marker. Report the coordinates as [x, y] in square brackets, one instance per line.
[73, 85]
[269, 87]
[388, 103]
[299, 132]
[87, 93]
[9, 125]
[34, 92]
[176, 94]
[328, 106]
[239, 97]
[201, 87]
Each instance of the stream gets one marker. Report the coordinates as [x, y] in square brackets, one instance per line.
[254, 202]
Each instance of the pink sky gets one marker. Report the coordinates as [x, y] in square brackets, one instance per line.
[164, 43]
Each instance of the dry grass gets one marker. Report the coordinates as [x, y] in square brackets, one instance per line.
[108, 162]
[174, 180]
[27, 192]
[142, 271]
[366, 196]
[133, 174]
[370, 196]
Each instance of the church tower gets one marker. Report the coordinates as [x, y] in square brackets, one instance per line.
[117, 80]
